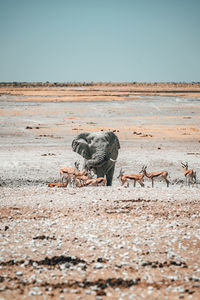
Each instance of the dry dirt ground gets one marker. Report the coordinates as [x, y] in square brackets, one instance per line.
[98, 242]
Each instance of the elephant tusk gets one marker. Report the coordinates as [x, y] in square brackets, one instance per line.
[113, 160]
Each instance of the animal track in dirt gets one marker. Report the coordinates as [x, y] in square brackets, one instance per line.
[134, 200]
[50, 136]
[141, 134]
[157, 264]
[23, 182]
[30, 127]
[53, 261]
[43, 237]
[100, 284]
[48, 154]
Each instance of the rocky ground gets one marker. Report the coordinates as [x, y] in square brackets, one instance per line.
[99, 242]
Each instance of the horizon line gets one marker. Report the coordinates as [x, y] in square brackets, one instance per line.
[97, 82]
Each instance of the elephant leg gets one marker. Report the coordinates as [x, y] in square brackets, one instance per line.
[100, 173]
[109, 176]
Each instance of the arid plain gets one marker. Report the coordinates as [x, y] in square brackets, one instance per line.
[99, 242]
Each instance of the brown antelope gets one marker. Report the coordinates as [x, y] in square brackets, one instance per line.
[81, 176]
[65, 173]
[58, 184]
[153, 175]
[135, 177]
[80, 180]
[69, 173]
[189, 174]
[95, 181]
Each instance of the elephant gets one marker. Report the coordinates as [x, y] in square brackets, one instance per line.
[100, 151]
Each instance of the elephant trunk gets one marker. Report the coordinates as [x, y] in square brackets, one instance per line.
[98, 160]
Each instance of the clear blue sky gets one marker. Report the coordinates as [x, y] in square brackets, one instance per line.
[100, 40]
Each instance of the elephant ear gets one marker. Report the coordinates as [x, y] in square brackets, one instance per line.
[80, 145]
[113, 139]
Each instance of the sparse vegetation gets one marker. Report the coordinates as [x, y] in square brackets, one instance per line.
[96, 84]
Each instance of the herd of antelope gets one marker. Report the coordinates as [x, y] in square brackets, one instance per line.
[76, 178]
[190, 176]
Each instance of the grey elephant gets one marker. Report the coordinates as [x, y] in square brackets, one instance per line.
[100, 150]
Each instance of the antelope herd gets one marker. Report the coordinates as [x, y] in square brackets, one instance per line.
[139, 177]
[76, 178]
[190, 176]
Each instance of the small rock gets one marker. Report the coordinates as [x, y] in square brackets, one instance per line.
[98, 266]
[35, 292]
[19, 273]
[62, 267]
[35, 264]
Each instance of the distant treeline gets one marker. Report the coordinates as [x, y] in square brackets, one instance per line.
[79, 84]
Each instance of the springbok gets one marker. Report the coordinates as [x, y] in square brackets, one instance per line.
[69, 173]
[189, 174]
[95, 181]
[80, 180]
[58, 184]
[134, 177]
[153, 175]
[81, 176]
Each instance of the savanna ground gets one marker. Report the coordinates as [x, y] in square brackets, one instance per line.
[99, 242]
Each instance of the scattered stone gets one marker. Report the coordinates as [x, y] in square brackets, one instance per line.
[98, 266]
[19, 273]
[35, 291]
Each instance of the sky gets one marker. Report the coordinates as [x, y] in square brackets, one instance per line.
[100, 40]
